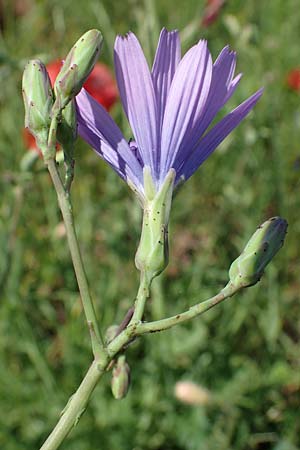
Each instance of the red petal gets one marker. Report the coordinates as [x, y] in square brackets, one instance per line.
[293, 79]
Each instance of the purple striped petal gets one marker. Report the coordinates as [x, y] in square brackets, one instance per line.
[223, 84]
[232, 87]
[221, 89]
[137, 95]
[216, 135]
[185, 102]
[100, 131]
[166, 60]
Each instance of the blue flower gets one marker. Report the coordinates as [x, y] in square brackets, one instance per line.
[169, 108]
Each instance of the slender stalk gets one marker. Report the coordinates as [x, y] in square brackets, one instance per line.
[75, 407]
[66, 209]
[194, 311]
[141, 298]
[157, 305]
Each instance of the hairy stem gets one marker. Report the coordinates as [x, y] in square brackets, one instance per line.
[66, 209]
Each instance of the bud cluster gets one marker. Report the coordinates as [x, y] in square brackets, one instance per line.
[43, 107]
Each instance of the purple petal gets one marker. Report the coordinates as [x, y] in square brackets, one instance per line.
[232, 87]
[223, 84]
[185, 102]
[221, 89]
[166, 60]
[216, 135]
[137, 95]
[100, 131]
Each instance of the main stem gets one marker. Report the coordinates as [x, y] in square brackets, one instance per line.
[78, 402]
[76, 406]
[66, 209]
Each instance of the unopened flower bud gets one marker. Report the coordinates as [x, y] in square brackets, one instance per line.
[77, 66]
[38, 101]
[120, 378]
[153, 252]
[267, 240]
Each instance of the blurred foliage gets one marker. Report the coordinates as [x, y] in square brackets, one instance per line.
[246, 352]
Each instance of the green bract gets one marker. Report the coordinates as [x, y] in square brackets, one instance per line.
[76, 68]
[38, 100]
[248, 268]
[153, 252]
[67, 128]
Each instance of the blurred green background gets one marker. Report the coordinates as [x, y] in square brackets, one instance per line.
[245, 352]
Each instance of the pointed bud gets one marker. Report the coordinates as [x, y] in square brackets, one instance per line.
[38, 100]
[153, 252]
[77, 66]
[120, 378]
[267, 240]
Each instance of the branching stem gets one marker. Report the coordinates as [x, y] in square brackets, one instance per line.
[78, 402]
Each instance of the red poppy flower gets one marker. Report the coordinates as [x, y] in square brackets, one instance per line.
[100, 84]
[293, 79]
[211, 11]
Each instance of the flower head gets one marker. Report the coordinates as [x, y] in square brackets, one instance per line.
[169, 108]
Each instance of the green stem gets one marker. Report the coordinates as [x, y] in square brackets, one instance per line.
[141, 298]
[75, 407]
[66, 209]
[157, 304]
[69, 176]
[194, 311]
[53, 131]
[78, 402]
